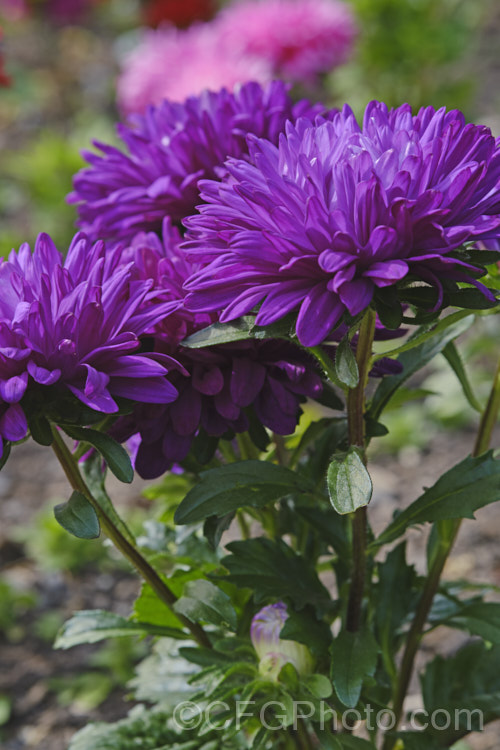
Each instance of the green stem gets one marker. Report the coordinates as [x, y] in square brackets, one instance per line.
[164, 593]
[356, 431]
[451, 528]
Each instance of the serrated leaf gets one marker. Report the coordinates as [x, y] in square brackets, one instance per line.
[204, 602]
[273, 569]
[414, 359]
[354, 658]
[78, 517]
[468, 486]
[349, 483]
[479, 618]
[93, 625]
[346, 366]
[149, 608]
[468, 681]
[113, 453]
[245, 483]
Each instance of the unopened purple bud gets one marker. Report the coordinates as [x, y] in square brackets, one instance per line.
[273, 651]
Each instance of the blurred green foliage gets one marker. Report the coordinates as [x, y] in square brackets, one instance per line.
[416, 51]
[52, 548]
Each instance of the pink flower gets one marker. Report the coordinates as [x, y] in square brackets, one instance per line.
[299, 39]
[173, 64]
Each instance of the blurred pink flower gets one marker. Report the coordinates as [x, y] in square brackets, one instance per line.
[173, 64]
[299, 39]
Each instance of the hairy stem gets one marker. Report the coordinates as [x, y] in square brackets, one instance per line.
[161, 589]
[451, 528]
[356, 430]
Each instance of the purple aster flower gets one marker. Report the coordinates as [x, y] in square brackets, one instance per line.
[273, 651]
[223, 382]
[337, 211]
[74, 325]
[168, 150]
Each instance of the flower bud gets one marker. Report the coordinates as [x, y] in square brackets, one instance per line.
[273, 651]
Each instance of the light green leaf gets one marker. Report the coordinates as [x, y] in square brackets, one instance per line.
[349, 483]
[346, 366]
[204, 602]
[93, 625]
[78, 517]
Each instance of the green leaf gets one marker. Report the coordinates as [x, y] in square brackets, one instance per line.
[349, 483]
[113, 453]
[214, 527]
[40, 429]
[244, 483]
[479, 618]
[305, 628]
[394, 575]
[354, 658]
[319, 685]
[346, 366]
[149, 608]
[273, 569]
[471, 484]
[240, 330]
[202, 601]
[454, 359]
[93, 625]
[414, 359]
[78, 517]
[469, 681]
[94, 476]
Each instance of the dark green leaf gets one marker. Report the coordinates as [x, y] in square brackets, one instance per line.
[203, 601]
[239, 330]
[273, 569]
[94, 476]
[479, 618]
[331, 527]
[454, 359]
[78, 517]
[394, 575]
[354, 658]
[244, 483]
[349, 484]
[5, 454]
[305, 628]
[470, 299]
[467, 686]
[40, 429]
[478, 257]
[413, 361]
[214, 527]
[388, 307]
[346, 366]
[113, 453]
[92, 625]
[425, 333]
[204, 446]
[471, 484]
